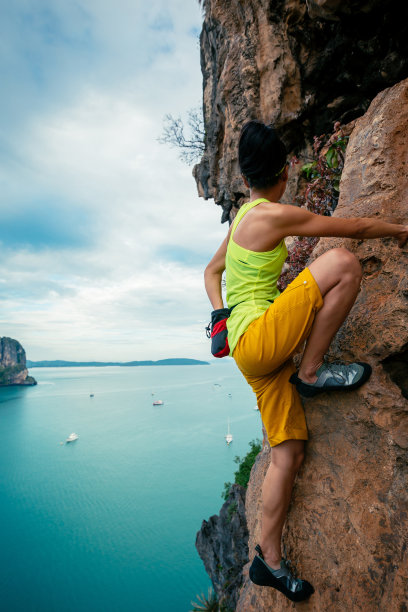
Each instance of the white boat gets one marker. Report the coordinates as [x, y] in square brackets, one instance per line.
[158, 403]
[72, 437]
[256, 407]
[228, 436]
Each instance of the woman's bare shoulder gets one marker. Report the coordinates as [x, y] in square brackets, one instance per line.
[276, 211]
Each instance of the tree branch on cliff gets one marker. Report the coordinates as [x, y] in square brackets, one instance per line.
[192, 146]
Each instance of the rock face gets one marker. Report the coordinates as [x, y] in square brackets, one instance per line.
[222, 544]
[347, 526]
[300, 65]
[13, 369]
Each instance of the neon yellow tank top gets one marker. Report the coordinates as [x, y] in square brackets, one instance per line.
[251, 279]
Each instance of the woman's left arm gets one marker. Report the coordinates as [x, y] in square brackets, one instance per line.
[213, 275]
[294, 221]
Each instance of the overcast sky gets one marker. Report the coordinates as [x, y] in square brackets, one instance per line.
[103, 237]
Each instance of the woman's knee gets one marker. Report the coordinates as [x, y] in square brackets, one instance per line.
[288, 455]
[346, 262]
[335, 266]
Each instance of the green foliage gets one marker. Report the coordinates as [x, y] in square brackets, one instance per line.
[324, 172]
[309, 170]
[227, 487]
[321, 195]
[207, 604]
[244, 467]
[245, 464]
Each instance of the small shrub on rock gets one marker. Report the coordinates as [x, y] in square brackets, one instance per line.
[244, 467]
[320, 196]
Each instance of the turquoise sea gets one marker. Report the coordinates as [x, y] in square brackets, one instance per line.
[108, 523]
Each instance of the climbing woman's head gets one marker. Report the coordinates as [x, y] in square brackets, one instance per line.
[262, 155]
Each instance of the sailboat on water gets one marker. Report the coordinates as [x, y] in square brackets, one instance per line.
[228, 437]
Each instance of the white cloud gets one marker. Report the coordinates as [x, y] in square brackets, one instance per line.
[117, 293]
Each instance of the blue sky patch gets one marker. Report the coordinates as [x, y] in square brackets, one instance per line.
[45, 224]
[162, 23]
[182, 255]
[47, 27]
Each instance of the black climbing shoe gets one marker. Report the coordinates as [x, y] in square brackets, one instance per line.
[281, 579]
[334, 377]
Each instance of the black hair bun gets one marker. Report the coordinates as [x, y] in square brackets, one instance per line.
[262, 155]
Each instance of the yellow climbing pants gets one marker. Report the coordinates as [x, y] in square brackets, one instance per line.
[264, 356]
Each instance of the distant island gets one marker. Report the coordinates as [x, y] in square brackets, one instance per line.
[58, 363]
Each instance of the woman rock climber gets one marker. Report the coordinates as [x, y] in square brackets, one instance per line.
[266, 328]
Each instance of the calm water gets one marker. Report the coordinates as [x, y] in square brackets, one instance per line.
[109, 521]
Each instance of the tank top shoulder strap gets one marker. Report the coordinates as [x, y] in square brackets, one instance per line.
[243, 210]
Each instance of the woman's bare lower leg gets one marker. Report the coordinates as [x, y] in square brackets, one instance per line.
[338, 275]
[276, 493]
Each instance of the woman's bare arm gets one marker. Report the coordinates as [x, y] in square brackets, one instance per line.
[293, 221]
[213, 275]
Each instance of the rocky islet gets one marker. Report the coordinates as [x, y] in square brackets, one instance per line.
[13, 369]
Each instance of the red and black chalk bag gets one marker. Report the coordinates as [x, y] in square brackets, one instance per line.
[218, 332]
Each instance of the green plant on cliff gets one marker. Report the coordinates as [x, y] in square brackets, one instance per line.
[209, 603]
[192, 146]
[244, 467]
[232, 508]
[321, 195]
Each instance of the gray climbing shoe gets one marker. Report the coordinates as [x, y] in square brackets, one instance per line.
[281, 579]
[334, 377]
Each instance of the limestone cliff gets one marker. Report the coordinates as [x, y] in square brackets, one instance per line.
[13, 369]
[347, 526]
[299, 64]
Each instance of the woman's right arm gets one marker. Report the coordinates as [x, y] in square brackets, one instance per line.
[295, 221]
[213, 275]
